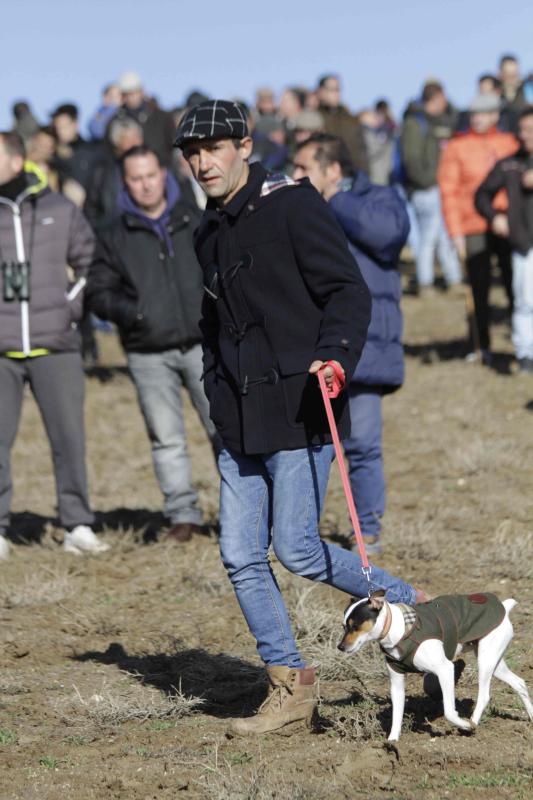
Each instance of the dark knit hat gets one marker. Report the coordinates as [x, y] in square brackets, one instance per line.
[213, 119]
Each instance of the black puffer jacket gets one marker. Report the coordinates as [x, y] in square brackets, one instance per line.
[283, 290]
[507, 174]
[152, 296]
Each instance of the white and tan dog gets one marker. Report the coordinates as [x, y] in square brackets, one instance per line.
[410, 638]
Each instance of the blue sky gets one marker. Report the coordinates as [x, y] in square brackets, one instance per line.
[59, 50]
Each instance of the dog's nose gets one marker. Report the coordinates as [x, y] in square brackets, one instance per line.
[340, 647]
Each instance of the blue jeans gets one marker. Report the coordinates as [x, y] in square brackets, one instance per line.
[365, 458]
[276, 499]
[433, 236]
[523, 304]
[159, 379]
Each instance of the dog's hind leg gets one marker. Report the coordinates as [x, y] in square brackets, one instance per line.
[503, 672]
[490, 651]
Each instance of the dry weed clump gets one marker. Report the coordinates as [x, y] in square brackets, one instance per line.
[10, 684]
[355, 722]
[47, 586]
[113, 705]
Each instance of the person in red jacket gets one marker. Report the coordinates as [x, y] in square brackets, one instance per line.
[465, 163]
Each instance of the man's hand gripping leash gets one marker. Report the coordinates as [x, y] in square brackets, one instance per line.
[331, 385]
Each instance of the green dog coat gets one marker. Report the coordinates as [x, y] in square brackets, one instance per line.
[452, 618]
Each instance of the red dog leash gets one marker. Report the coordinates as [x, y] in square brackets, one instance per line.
[336, 389]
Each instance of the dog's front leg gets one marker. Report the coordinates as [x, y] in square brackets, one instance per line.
[397, 693]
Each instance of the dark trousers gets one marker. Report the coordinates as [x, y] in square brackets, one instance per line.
[58, 385]
[479, 252]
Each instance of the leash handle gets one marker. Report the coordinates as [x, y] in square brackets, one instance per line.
[338, 385]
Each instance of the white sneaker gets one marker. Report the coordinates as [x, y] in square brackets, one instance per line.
[4, 548]
[82, 539]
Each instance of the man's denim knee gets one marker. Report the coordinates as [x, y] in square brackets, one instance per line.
[298, 560]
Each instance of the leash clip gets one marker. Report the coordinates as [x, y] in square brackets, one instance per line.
[366, 572]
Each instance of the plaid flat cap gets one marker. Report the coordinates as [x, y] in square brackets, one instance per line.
[214, 119]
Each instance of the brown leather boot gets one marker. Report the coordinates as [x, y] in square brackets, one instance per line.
[292, 696]
[182, 532]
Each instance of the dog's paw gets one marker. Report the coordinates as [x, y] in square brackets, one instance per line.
[391, 746]
[467, 727]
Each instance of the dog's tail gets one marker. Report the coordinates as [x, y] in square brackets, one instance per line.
[508, 604]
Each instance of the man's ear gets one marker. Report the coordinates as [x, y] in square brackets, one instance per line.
[377, 599]
[246, 147]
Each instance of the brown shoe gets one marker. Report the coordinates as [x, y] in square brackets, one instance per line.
[292, 696]
[182, 532]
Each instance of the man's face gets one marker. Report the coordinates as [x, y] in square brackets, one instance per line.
[526, 132]
[265, 101]
[66, 128]
[510, 73]
[437, 105]
[330, 93]
[220, 168]
[41, 148]
[306, 166]
[289, 105]
[133, 100]
[145, 181]
[482, 121]
[487, 86]
[10, 166]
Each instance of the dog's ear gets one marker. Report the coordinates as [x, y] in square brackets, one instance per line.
[377, 599]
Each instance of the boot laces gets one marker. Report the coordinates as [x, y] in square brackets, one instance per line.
[275, 699]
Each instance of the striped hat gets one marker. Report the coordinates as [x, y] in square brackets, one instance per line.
[214, 119]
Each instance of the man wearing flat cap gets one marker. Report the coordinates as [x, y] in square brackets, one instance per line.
[283, 296]
[466, 162]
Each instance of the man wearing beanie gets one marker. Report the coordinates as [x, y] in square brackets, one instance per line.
[283, 296]
[465, 163]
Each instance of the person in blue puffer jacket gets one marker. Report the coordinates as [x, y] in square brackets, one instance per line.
[376, 224]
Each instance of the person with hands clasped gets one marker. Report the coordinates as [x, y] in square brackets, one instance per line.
[283, 296]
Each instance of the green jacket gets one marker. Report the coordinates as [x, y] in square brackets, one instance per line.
[452, 618]
[422, 140]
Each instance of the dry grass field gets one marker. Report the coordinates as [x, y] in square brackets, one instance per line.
[117, 673]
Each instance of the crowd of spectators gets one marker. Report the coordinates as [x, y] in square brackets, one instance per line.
[106, 205]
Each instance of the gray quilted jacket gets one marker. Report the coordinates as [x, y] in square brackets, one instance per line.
[58, 243]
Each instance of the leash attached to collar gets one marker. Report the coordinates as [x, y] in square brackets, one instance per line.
[338, 386]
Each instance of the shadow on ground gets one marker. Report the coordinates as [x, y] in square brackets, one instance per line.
[455, 349]
[29, 528]
[229, 686]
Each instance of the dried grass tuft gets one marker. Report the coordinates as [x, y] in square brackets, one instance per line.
[47, 586]
[114, 706]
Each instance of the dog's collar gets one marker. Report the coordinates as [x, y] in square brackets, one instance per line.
[388, 621]
[409, 618]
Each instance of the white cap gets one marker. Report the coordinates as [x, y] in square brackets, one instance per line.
[130, 82]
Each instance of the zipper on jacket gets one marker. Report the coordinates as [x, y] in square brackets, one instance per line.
[21, 257]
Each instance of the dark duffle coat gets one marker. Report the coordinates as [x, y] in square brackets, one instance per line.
[282, 290]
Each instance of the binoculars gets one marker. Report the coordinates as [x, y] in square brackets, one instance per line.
[16, 280]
